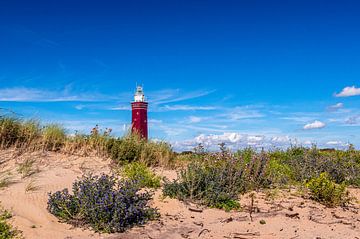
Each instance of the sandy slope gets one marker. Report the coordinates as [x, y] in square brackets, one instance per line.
[58, 171]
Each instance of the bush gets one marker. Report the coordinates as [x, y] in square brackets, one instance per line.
[126, 149]
[218, 180]
[103, 203]
[142, 174]
[6, 230]
[327, 192]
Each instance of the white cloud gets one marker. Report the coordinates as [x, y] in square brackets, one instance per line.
[234, 141]
[195, 119]
[184, 108]
[308, 142]
[23, 94]
[336, 107]
[353, 120]
[349, 91]
[175, 95]
[334, 142]
[314, 125]
[121, 107]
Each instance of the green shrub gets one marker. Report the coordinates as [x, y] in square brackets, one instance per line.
[213, 186]
[218, 180]
[279, 173]
[142, 174]
[125, 149]
[103, 203]
[327, 192]
[6, 230]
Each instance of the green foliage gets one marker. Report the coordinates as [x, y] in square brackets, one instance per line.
[218, 180]
[279, 173]
[6, 230]
[299, 164]
[103, 203]
[134, 148]
[327, 192]
[142, 174]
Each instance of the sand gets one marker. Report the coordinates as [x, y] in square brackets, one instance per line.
[287, 215]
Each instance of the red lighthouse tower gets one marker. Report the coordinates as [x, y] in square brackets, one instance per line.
[139, 113]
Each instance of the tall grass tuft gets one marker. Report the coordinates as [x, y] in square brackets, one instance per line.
[132, 147]
[9, 131]
[53, 137]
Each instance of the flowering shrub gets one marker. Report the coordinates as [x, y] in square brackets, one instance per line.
[103, 203]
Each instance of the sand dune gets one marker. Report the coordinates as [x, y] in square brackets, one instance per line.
[287, 216]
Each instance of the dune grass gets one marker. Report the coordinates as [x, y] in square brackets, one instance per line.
[31, 135]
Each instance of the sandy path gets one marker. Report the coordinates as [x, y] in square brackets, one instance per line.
[59, 171]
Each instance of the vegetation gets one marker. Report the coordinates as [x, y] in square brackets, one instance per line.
[134, 148]
[218, 179]
[327, 192]
[140, 173]
[6, 230]
[212, 179]
[103, 203]
[27, 168]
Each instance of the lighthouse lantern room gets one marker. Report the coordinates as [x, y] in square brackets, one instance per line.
[139, 113]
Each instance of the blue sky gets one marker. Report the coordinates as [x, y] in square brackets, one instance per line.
[249, 73]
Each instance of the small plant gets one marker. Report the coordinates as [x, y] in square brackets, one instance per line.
[31, 186]
[142, 174]
[103, 203]
[327, 192]
[27, 168]
[6, 230]
[262, 222]
[5, 179]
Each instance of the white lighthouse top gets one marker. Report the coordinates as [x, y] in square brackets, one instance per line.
[139, 94]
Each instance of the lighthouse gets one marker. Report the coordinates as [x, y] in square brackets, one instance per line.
[139, 107]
